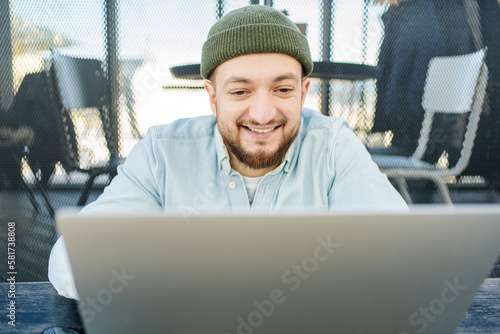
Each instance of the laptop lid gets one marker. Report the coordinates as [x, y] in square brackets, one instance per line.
[343, 272]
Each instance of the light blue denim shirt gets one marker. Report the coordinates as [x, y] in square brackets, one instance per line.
[184, 167]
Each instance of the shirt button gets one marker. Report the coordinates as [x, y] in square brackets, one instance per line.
[232, 185]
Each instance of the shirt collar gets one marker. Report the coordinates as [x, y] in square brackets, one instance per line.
[222, 154]
[290, 156]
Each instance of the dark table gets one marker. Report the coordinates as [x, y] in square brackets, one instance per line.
[38, 306]
[322, 70]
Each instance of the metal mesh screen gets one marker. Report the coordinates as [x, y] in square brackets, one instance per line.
[349, 33]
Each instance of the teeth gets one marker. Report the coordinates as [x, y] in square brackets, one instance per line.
[262, 130]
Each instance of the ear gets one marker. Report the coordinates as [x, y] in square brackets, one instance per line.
[209, 87]
[305, 87]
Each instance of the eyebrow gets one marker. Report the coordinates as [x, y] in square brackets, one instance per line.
[237, 79]
[287, 76]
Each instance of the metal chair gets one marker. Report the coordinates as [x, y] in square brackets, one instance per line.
[79, 83]
[15, 152]
[128, 69]
[454, 85]
[35, 141]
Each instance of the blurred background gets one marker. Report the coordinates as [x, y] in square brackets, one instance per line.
[82, 81]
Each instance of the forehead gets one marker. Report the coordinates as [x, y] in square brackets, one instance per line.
[259, 66]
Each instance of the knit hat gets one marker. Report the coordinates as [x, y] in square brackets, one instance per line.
[254, 29]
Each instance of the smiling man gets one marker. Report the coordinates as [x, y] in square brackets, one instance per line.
[259, 152]
[258, 104]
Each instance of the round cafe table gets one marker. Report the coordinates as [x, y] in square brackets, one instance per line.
[322, 70]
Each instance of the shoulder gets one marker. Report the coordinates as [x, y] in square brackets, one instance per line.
[315, 122]
[185, 129]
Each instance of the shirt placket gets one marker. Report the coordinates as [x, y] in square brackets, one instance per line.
[265, 195]
[235, 188]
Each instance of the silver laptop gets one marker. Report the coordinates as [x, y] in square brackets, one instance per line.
[343, 273]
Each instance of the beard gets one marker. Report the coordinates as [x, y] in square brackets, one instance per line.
[261, 157]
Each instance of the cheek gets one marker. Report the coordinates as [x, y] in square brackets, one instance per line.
[293, 114]
[226, 116]
[231, 111]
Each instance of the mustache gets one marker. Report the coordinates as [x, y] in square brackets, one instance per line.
[274, 122]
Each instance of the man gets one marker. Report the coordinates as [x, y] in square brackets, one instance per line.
[260, 153]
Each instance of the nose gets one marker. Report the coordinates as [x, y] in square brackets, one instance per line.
[262, 110]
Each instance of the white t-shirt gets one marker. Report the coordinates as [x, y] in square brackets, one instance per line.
[251, 183]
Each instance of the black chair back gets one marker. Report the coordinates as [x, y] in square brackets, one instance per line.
[80, 84]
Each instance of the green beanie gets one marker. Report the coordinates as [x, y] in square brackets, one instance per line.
[254, 29]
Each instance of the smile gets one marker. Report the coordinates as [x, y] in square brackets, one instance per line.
[262, 130]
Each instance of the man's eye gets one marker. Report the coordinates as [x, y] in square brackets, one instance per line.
[238, 93]
[285, 90]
